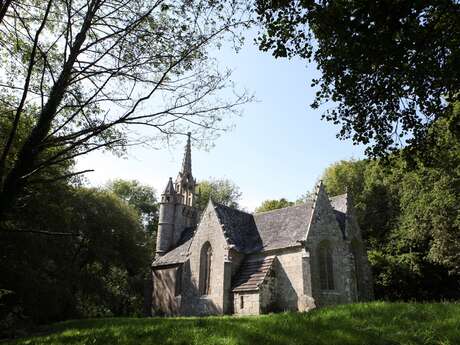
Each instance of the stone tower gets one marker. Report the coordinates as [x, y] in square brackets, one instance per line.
[177, 211]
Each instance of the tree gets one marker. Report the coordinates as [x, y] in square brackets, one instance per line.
[99, 272]
[222, 191]
[111, 254]
[269, 205]
[141, 197]
[390, 67]
[373, 197]
[409, 218]
[89, 69]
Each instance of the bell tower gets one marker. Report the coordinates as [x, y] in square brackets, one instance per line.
[177, 211]
[166, 219]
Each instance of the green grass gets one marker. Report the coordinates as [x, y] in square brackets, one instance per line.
[374, 323]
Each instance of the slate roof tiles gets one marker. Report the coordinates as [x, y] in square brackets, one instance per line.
[284, 227]
[252, 274]
[252, 233]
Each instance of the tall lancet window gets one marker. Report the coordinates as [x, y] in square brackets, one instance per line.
[205, 268]
[326, 266]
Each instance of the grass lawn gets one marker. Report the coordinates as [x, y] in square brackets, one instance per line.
[371, 323]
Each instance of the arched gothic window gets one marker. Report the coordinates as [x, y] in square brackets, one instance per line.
[326, 266]
[205, 268]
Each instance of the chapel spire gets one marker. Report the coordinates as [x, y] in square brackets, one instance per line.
[185, 183]
[187, 161]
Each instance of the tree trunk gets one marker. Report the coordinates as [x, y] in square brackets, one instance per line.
[3, 8]
[29, 152]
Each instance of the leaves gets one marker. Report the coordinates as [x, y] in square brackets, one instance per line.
[92, 72]
[409, 217]
[269, 205]
[222, 191]
[390, 69]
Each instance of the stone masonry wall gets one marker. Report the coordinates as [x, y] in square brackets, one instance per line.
[289, 279]
[324, 227]
[209, 230]
[164, 299]
[267, 294]
[247, 303]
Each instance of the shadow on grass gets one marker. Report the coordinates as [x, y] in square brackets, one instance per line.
[375, 323]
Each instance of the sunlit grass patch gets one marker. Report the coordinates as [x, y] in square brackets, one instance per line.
[376, 323]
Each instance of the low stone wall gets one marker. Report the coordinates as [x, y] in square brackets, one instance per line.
[247, 303]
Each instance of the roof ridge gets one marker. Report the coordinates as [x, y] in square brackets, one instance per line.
[231, 208]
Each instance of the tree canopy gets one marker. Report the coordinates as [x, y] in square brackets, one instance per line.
[410, 219]
[86, 71]
[222, 191]
[269, 205]
[390, 68]
[98, 269]
[142, 197]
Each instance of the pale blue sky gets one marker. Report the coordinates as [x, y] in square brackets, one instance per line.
[278, 148]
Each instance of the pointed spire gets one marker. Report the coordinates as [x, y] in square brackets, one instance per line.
[319, 187]
[169, 190]
[187, 161]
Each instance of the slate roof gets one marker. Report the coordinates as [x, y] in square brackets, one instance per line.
[239, 229]
[284, 227]
[252, 273]
[179, 254]
[252, 233]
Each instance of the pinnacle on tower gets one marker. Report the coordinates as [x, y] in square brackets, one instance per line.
[169, 190]
[185, 183]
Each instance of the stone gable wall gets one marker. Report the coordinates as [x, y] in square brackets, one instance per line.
[324, 227]
[209, 230]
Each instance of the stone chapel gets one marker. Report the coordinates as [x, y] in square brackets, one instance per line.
[226, 261]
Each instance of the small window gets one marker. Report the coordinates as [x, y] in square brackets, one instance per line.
[241, 302]
[178, 289]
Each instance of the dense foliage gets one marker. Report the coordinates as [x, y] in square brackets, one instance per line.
[410, 219]
[353, 324]
[222, 191]
[88, 72]
[98, 269]
[391, 71]
[390, 67]
[269, 205]
[141, 197]
[69, 251]
[76, 76]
